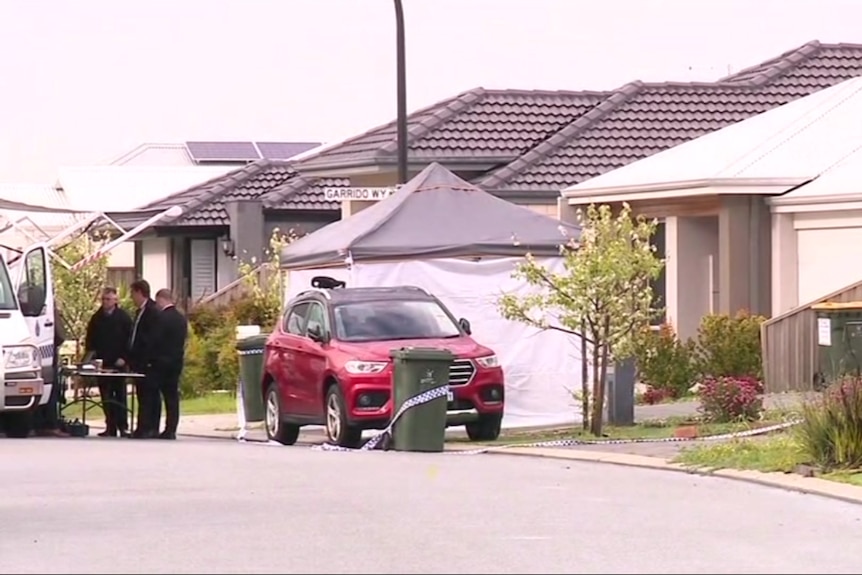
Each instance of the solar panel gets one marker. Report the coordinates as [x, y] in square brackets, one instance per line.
[222, 151]
[284, 150]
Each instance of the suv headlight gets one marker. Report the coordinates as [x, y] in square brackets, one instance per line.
[357, 367]
[20, 357]
[488, 361]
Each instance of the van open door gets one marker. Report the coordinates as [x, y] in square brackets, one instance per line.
[34, 286]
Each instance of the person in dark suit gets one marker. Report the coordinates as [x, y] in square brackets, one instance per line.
[168, 358]
[108, 333]
[142, 342]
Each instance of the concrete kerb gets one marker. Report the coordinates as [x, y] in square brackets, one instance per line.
[787, 481]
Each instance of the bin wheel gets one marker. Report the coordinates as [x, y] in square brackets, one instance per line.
[17, 424]
[276, 429]
[486, 429]
[338, 431]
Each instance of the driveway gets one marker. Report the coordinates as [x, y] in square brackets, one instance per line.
[209, 506]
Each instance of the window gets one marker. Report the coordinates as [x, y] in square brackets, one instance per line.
[390, 320]
[316, 317]
[7, 296]
[294, 320]
[34, 283]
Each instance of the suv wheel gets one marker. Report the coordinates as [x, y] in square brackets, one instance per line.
[276, 429]
[337, 429]
[486, 429]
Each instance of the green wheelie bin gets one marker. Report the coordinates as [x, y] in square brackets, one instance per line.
[415, 370]
[251, 375]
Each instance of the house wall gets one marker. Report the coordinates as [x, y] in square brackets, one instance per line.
[156, 262]
[814, 254]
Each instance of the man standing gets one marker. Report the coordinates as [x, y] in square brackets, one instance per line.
[108, 332]
[141, 352]
[168, 359]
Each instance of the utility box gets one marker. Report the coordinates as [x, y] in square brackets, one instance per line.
[839, 340]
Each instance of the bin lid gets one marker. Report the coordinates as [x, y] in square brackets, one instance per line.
[252, 343]
[422, 353]
[837, 305]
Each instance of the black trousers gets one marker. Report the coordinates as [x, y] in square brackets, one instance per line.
[169, 387]
[114, 403]
[149, 405]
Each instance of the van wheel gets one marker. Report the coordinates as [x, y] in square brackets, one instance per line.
[276, 429]
[17, 424]
[337, 429]
[486, 429]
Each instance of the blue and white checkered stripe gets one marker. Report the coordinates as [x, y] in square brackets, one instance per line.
[245, 352]
[46, 351]
[374, 441]
[415, 401]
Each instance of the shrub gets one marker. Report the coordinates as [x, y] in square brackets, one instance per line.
[211, 361]
[730, 346]
[725, 399]
[664, 362]
[831, 430]
[654, 395]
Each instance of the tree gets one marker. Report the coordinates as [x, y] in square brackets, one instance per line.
[265, 282]
[77, 293]
[603, 293]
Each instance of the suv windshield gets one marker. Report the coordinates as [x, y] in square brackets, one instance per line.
[386, 320]
[7, 295]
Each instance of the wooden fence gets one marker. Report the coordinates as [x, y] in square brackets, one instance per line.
[237, 288]
[789, 343]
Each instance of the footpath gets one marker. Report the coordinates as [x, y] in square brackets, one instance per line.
[656, 456]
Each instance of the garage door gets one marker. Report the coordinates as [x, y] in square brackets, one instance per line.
[829, 259]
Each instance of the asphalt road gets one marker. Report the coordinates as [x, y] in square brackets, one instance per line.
[210, 506]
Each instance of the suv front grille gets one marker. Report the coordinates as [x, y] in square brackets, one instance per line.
[461, 372]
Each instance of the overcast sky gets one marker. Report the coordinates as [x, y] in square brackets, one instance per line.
[86, 80]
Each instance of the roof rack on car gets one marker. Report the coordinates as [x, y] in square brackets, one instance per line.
[417, 288]
[326, 282]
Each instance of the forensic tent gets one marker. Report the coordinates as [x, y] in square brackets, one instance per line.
[460, 243]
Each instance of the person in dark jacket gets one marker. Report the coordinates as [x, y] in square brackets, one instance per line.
[168, 358]
[108, 333]
[142, 342]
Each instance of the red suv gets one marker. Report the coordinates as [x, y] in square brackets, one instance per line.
[328, 363]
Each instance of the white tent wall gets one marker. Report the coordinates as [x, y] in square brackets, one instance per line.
[541, 367]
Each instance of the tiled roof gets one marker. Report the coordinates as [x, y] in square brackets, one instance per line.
[490, 126]
[275, 182]
[542, 141]
[641, 119]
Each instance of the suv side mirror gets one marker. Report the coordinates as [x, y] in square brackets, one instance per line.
[465, 326]
[315, 333]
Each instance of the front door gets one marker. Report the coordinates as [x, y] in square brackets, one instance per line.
[34, 287]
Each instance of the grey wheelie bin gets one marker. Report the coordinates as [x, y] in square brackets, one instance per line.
[251, 375]
[417, 370]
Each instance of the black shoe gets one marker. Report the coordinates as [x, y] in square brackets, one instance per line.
[167, 435]
[144, 435]
[108, 433]
[124, 433]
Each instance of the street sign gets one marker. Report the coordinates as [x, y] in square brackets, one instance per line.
[357, 194]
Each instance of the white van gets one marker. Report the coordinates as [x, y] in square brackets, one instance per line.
[26, 338]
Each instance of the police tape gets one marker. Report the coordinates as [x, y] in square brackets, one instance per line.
[383, 440]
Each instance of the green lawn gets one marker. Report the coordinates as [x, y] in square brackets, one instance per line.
[207, 405]
[650, 429]
[778, 453]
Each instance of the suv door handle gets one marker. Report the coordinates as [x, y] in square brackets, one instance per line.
[48, 323]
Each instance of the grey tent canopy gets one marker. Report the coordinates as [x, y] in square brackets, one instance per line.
[434, 215]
